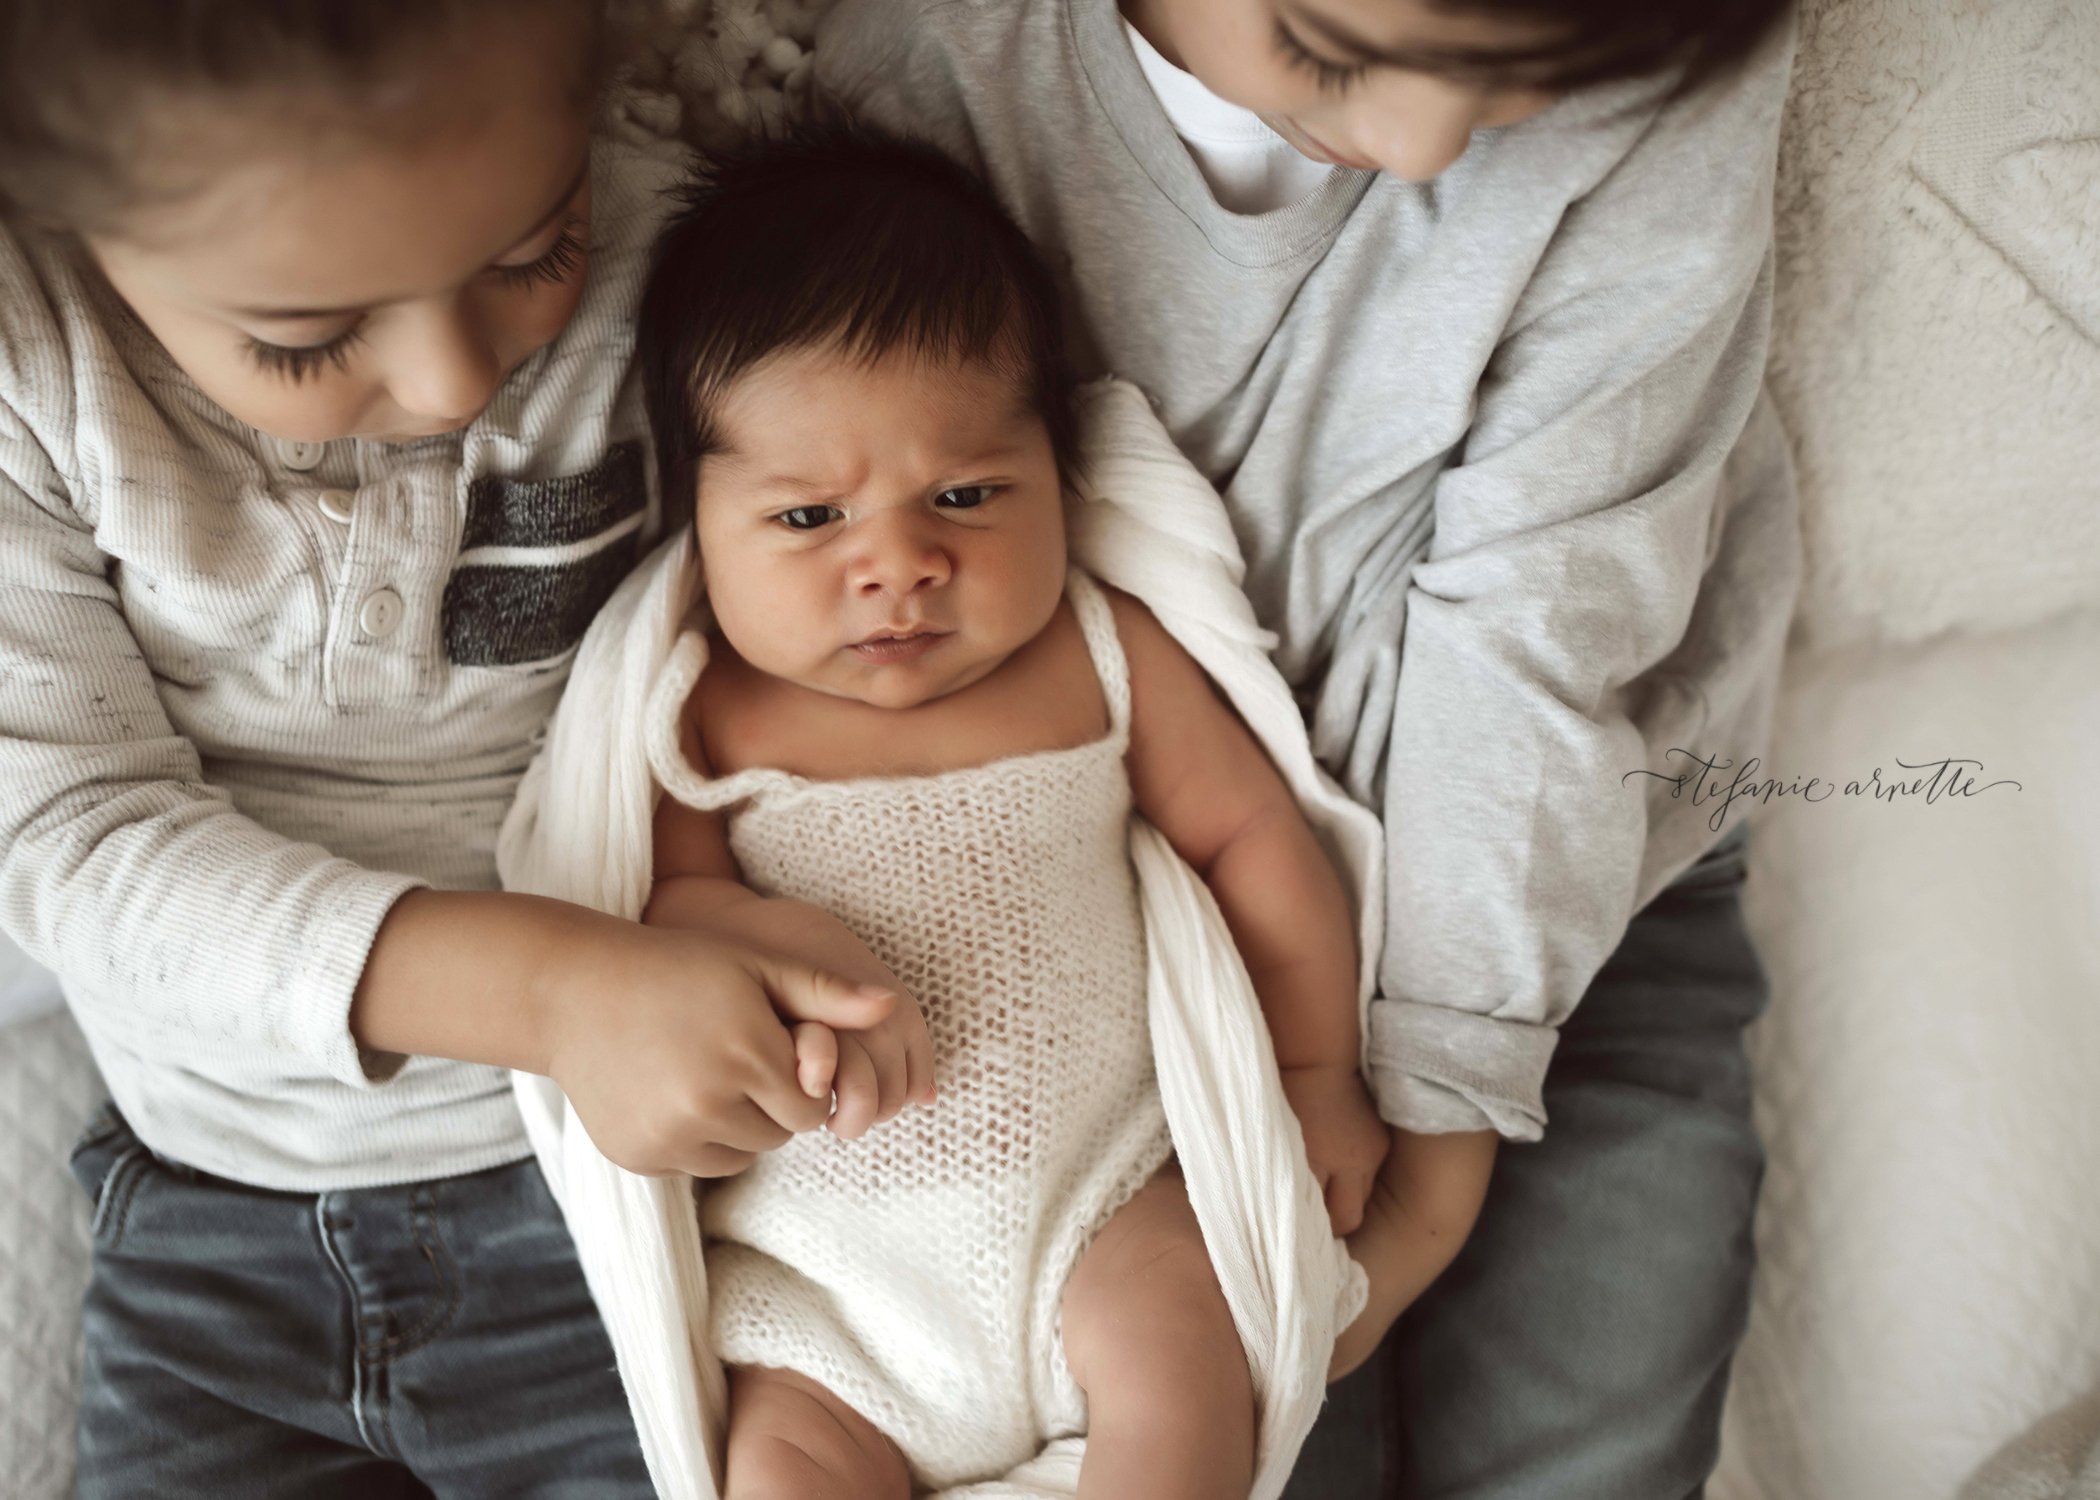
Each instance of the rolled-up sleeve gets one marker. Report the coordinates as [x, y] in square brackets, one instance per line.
[183, 931]
[1571, 536]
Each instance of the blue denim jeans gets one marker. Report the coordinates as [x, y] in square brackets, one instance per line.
[1578, 1348]
[434, 1338]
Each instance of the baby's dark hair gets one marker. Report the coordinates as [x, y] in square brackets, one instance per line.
[834, 233]
[1605, 41]
[80, 79]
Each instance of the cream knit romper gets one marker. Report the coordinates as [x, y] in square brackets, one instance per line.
[917, 1272]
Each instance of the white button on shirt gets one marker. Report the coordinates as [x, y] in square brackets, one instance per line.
[380, 615]
[299, 456]
[338, 505]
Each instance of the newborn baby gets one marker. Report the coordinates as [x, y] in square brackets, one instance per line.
[917, 721]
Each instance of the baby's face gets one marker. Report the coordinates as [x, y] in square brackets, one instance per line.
[889, 532]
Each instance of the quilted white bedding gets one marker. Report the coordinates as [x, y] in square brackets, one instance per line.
[48, 1088]
[1929, 1237]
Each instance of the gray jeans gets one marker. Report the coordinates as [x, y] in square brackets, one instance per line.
[1578, 1348]
[430, 1339]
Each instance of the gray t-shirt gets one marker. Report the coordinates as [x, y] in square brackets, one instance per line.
[1496, 449]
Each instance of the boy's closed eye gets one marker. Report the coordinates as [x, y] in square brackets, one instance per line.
[298, 362]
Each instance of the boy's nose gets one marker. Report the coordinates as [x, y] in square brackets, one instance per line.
[448, 370]
[1414, 125]
[900, 559]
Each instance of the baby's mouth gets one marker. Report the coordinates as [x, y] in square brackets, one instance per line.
[889, 646]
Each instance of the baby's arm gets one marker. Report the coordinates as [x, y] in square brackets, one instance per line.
[1200, 777]
[874, 1071]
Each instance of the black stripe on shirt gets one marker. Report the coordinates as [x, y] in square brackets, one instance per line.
[507, 616]
[556, 512]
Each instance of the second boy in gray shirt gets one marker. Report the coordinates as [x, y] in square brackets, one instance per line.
[1497, 452]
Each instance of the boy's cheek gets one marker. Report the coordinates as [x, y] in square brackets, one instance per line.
[1233, 55]
[540, 319]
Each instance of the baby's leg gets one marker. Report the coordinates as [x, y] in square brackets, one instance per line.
[1170, 1404]
[791, 1439]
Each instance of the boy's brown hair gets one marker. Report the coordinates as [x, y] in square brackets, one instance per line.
[81, 80]
[1606, 41]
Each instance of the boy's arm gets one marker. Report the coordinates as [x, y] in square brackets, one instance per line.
[188, 933]
[1608, 517]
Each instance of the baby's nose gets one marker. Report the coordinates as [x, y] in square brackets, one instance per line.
[902, 561]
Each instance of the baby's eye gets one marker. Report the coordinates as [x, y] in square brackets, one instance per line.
[808, 517]
[964, 496]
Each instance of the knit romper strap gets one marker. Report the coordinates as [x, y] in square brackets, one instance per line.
[674, 686]
[1097, 625]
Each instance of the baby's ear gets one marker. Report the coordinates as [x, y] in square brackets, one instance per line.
[686, 486]
[697, 614]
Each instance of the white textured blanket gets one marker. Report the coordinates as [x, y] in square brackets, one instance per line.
[1151, 526]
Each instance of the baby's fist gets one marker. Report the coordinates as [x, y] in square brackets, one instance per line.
[1345, 1141]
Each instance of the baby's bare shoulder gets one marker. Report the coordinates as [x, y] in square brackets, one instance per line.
[1159, 664]
[1132, 617]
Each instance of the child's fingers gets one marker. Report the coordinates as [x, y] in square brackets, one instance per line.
[918, 1059]
[731, 1143]
[885, 1049]
[803, 992]
[777, 1090]
[856, 1091]
[816, 1058]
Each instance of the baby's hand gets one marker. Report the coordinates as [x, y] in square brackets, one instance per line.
[1345, 1141]
[873, 1071]
[1422, 1209]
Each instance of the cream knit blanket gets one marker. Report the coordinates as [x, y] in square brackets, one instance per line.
[1150, 525]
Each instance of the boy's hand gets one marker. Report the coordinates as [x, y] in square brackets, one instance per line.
[674, 1044]
[874, 1069]
[1422, 1208]
[1344, 1138]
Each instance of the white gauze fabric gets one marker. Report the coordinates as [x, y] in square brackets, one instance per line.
[1150, 525]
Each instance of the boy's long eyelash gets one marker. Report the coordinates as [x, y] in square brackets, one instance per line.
[556, 266]
[299, 364]
[1332, 76]
[295, 365]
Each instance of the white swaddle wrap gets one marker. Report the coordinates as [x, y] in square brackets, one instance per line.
[1150, 525]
